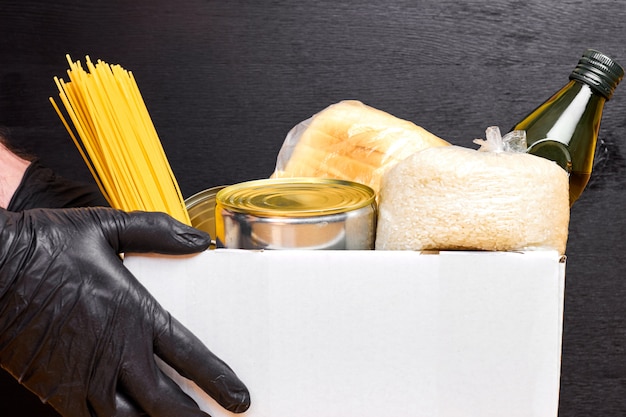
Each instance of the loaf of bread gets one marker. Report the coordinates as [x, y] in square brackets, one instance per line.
[455, 198]
[350, 141]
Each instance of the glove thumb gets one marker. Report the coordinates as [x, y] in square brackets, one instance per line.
[142, 232]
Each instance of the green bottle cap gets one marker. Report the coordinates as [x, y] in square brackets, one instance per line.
[599, 71]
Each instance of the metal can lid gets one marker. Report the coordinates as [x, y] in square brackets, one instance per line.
[295, 197]
[201, 209]
[203, 197]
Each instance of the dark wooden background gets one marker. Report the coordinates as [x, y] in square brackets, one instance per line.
[225, 80]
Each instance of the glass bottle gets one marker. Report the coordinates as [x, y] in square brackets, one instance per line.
[565, 127]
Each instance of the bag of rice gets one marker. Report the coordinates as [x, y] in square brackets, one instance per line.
[456, 198]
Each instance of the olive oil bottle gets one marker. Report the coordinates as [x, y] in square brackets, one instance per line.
[565, 127]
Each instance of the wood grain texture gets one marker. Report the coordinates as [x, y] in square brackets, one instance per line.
[225, 81]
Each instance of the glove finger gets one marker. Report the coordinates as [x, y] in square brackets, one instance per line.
[184, 352]
[153, 391]
[142, 232]
[125, 407]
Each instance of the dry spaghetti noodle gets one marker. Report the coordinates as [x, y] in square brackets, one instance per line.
[114, 134]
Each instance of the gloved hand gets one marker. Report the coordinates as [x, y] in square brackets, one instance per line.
[78, 329]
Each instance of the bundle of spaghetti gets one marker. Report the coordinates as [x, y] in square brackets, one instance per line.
[114, 134]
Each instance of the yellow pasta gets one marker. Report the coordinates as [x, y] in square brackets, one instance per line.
[114, 134]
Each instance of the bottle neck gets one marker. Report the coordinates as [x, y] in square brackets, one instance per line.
[599, 90]
[576, 101]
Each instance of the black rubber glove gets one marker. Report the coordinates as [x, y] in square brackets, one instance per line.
[41, 187]
[79, 330]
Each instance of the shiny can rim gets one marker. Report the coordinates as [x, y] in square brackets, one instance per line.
[295, 197]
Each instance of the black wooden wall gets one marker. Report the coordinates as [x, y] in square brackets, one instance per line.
[225, 80]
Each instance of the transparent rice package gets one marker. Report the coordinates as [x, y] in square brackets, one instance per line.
[496, 198]
[351, 141]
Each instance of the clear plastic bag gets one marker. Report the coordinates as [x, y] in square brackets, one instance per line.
[514, 141]
[350, 141]
[456, 198]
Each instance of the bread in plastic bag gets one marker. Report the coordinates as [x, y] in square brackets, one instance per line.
[456, 198]
[351, 141]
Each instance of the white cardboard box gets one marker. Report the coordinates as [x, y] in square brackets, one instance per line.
[373, 333]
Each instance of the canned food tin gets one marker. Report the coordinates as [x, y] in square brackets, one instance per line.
[296, 213]
[201, 209]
